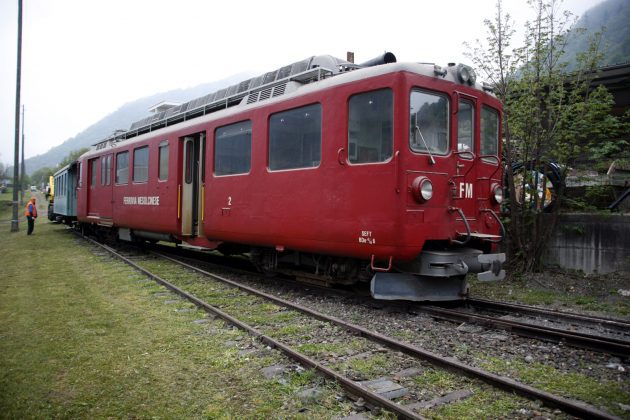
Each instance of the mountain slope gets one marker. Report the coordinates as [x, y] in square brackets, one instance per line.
[612, 16]
[122, 118]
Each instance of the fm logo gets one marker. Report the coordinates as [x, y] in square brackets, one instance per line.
[465, 190]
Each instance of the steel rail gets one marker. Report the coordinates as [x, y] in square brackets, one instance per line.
[351, 386]
[576, 339]
[572, 407]
[610, 323]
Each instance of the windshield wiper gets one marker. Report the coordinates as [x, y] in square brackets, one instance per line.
[425, 144]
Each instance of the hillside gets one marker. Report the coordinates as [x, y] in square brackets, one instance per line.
[612, 16]
[122, 118]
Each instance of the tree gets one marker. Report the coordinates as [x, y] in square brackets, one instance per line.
[550, 119]
[4, 171]
[72, 156]
[42, 175]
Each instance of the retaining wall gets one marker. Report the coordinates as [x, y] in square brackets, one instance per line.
[593, 243]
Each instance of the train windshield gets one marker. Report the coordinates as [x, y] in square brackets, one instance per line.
[489, 135]
[428, 117]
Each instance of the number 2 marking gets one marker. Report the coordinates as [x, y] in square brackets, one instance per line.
[229, 200]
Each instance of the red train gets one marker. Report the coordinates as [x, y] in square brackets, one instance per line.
[384, 172]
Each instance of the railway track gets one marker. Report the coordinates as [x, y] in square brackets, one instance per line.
[354, 387]
[618, 326]
[562, 332]
[605, 335]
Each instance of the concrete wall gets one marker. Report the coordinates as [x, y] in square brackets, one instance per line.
[592, 243]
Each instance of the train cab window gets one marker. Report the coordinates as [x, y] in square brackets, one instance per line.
[428, 118]
[141, 164]
[233, 149]
[295, 138]
[489, 135]
[163, 161]
[92, 167]
[465, 129]
[122, 168]
[370, 126]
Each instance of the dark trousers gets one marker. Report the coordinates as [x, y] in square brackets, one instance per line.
[31, 224]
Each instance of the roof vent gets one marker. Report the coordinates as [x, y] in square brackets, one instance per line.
[163, 106]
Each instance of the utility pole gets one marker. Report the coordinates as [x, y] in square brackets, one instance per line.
[16, 153]
[23, 170]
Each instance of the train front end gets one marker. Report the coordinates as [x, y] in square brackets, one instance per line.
[450, 181]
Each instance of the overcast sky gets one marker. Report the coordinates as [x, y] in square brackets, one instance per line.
[82, 59]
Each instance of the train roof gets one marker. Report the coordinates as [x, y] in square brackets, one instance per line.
[316, 72]
[65, 168]
[62, 170]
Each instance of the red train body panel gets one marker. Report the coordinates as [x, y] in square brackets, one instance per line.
[359, 196]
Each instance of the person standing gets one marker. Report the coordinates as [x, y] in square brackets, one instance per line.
[31, 214]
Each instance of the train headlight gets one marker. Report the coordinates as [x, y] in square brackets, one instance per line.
[497, 193]
[422, 189]
[466, 74]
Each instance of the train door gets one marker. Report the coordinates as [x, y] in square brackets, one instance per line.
[92, 171]
[191, 200]
[465, 173]
[107, 198]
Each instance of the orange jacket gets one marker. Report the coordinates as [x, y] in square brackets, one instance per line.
[31, 208]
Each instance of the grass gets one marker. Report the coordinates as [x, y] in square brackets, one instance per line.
[84, 336]
[517, 289]
[606, 394]
[485, 402]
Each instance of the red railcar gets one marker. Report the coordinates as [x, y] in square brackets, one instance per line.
[384, 172]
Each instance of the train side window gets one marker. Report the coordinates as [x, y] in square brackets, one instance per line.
[370, 126]
[109, 170]
[163, 161]
[428, 117]
[141, 164]
[465, 128]
[295, 138]
[233, 149]
[122, 168]
[92, 166]
[489, 135]
[190, 161]
[103, 169]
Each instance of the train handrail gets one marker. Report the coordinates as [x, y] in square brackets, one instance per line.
[383, 270]
[496, 217]
[340, 157]
[461, 213]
